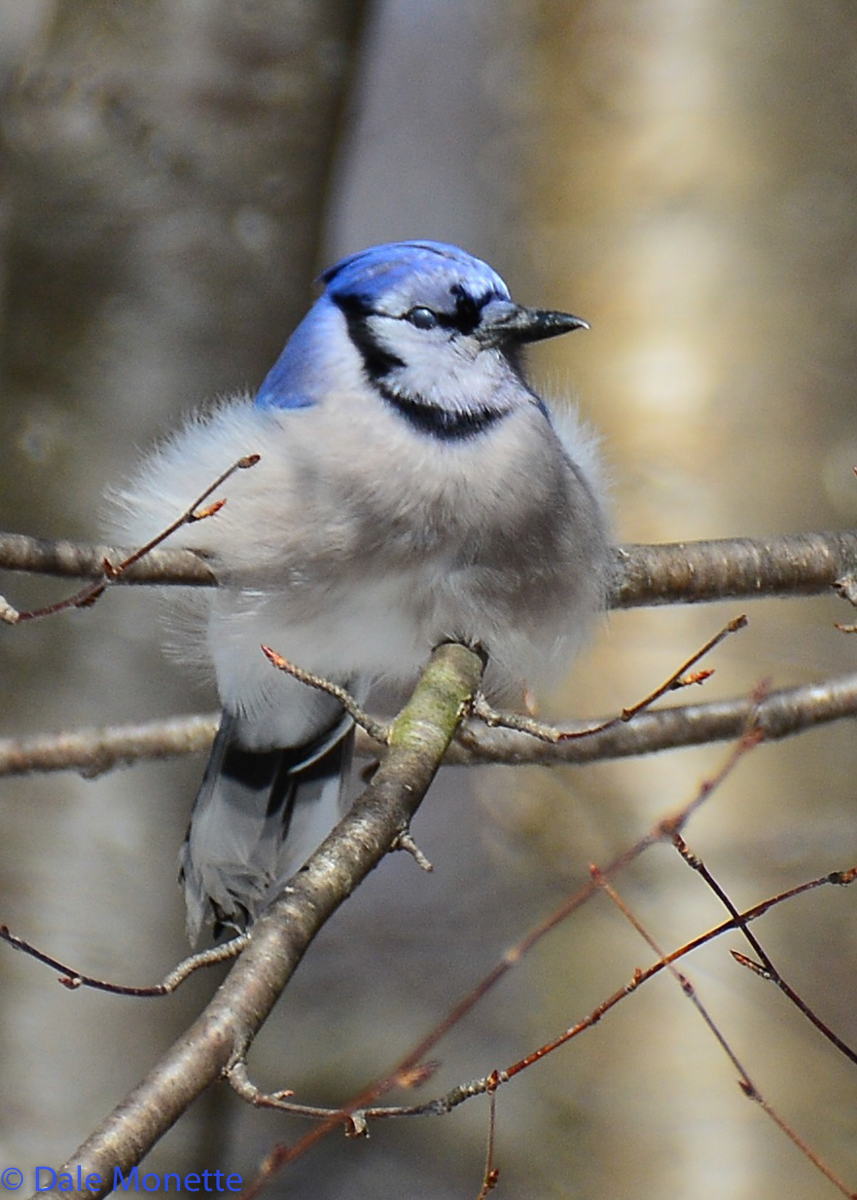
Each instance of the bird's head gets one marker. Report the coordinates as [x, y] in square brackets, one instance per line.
[435, 329]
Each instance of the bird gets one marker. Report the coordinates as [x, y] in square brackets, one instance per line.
[411, 488]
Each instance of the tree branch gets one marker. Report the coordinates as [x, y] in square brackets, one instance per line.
[779, 714]
[794, 564]
[800, 564]
[97, 749]
[223, 1033]
[73, 560]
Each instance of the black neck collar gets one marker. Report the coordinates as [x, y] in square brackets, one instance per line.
[442, 423]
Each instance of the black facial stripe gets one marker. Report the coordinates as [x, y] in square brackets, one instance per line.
[468, 309]
[440, 422]
[461, 322]
[378, 361]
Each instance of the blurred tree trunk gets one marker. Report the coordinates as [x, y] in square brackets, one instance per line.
[691, 192]
[163, 191]
[164, 171]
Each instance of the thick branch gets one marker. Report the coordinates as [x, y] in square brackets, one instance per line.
[682, 572]
[279, 939]
[795, 564]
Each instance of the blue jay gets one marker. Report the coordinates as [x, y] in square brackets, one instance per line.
[411, 488]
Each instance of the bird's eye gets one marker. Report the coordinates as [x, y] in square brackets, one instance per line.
[422, 318]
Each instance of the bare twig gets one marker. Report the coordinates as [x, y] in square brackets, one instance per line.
[112, 573]
[356, 1120]
[746, 1084]
[491, 1175]
[75, 560]
[764, 966]
[375, 729]
[547, 733]
[442, 1105]
[75, 979]
[778, 714]
[406, 842]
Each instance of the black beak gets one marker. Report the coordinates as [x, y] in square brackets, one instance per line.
[511, 324]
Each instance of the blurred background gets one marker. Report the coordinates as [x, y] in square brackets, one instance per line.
[681, 173]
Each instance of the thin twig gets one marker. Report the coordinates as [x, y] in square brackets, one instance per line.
[795, 564]
[405, 841]
[111, 573]
[764, 966]
[491, 1174]
[72, 979]
[411, 1076]
[746, 1084]
[376, 730]
[97, 749]
[237, 1075]
[477, 1087]
[547, 733]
